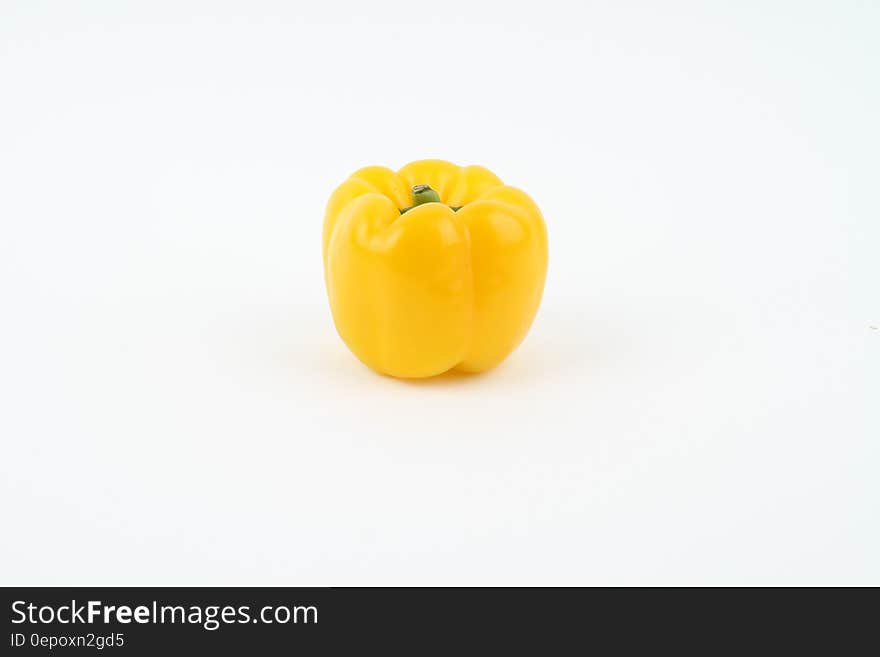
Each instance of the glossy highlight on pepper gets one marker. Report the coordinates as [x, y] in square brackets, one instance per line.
[433, 267]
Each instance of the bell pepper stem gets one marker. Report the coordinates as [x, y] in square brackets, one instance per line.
[423, 194]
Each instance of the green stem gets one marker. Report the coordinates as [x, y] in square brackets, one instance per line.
[423, 194]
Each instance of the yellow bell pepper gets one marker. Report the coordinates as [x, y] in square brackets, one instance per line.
[432, 268]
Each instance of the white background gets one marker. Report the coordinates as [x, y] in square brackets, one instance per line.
[697, 402]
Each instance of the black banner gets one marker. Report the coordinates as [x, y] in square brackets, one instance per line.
[151, 621]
